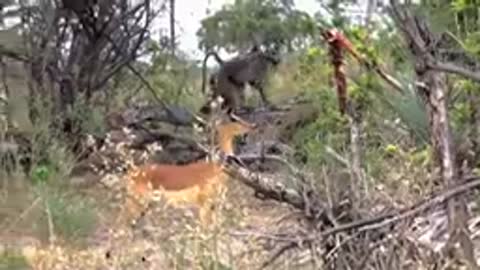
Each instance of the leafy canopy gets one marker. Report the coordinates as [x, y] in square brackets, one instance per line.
[272, 22]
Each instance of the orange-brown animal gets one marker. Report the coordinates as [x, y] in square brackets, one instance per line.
[197, 183]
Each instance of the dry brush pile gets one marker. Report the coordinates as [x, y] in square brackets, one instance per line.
[317, 227]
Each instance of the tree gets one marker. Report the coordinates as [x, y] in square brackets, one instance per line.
[74, 49]
[271, 22]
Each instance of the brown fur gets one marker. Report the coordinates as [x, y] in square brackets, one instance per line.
[174, 177]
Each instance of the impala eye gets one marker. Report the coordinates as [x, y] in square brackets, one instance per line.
[242, 139]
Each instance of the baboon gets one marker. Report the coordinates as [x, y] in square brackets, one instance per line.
[233, 75]
[232, 93]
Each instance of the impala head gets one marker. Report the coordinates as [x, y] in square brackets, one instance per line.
[227, 133]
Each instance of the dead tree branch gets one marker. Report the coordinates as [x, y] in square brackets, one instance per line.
[378, 222]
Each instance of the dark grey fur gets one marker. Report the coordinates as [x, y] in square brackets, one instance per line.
[230, 80]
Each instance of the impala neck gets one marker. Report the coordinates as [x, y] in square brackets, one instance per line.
[217, 156]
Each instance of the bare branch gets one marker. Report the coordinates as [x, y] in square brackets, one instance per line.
[12, 54]
[410, 212]
[449, 67]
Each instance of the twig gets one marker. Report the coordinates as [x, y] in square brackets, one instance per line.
[4, 51]
[262, 235]
[449, 67]
[24, 213]
[370, 250]
[390, 218]
[279, 253]
[51, 232]
[382, 220]
[4, 81]
[291, 168]
[357, 174]
[337, 156]
[341, 244]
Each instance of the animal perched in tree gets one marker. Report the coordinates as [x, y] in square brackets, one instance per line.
[197, 182]
[233, 76]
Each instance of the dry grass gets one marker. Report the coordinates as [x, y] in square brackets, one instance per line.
[168, 237]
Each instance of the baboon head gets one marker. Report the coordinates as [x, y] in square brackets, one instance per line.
[273, 55]
[270, 53]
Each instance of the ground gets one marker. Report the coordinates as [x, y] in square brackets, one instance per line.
[166, 238]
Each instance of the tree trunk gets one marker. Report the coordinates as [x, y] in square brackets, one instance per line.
[432, 86]
[172, 26]
[371, 7]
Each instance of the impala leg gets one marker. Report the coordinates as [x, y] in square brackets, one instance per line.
[207, 206]
[136, 203]
[203, 209]
[134, 211]
[204, 217]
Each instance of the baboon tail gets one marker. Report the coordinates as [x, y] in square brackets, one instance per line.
[204, 68]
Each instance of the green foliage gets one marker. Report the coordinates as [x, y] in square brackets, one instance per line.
[457, 16]
[173, 78]
[51, 160]
[472, 43]
[89, 119]
[359, 35]
[463, 104]
[376, 102]
[409, 107]
[391, 149]
[361, 90]
[13, 261]
[328, 130]
[48, 155]
[312, 71]
[340, 17]
[73, 216]
[460, 113]
[235, 26]
[421, 156]
[209, 263]
[40, 174]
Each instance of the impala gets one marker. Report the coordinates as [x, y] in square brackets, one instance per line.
[197, 183]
